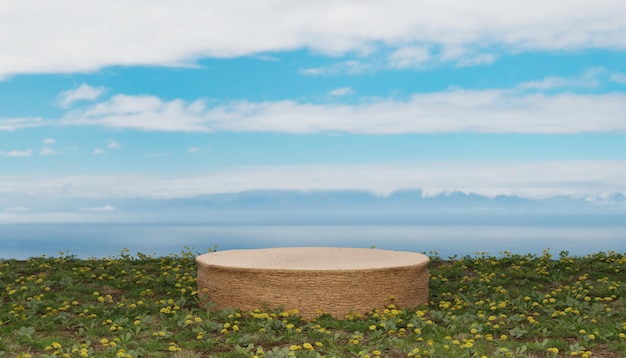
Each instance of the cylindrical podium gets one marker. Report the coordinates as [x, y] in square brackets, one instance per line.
[313, 280]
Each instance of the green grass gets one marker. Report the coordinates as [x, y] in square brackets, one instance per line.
[480, 306]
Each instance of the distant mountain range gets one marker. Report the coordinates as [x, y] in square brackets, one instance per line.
[346, 207]
[365, 200]
[405, 207]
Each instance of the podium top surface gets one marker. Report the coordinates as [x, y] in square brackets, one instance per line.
[313, 258]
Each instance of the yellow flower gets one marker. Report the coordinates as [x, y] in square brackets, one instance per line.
[553, 350]
[307, 345]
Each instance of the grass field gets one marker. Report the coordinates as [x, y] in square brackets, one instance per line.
[136, 305]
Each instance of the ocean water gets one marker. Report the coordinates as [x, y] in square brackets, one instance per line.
[21, 241]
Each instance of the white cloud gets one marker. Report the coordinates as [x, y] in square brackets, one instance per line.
[546, 83]
[99, 208]
[590, 79]
[111, 144]
[47, 151]
[463, 57]
[477, 60]
[488, 111]
[618, 78]
[12, 124]
[62, 36]
[403, 58]
[81, 93]
[409, 57]
[17, 209]
[342, 91]
[143, 113]
[193, 150]
[351, 67]
[539, 179]
[17, 153]
[49, 141]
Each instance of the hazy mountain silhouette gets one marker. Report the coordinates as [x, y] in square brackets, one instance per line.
[364, 201]
[346, 207]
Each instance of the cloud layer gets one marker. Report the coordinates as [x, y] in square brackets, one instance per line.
[82, 93]
[73, 36]
[11, 124]
[541, 179]
[16, 153]
[487, 111]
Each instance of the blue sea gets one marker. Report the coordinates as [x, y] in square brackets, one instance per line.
[21, 241]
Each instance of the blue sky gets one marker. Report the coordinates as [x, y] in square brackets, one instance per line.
[106, 100]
